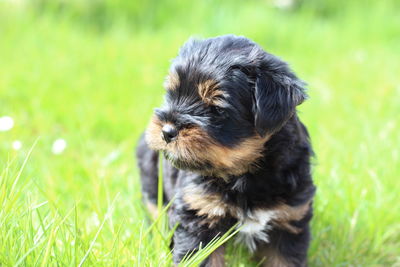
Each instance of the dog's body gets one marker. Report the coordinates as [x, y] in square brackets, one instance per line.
[236, 150]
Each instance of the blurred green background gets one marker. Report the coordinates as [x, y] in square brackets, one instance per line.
[89, 73]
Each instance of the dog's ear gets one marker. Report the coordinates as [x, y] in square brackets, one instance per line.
[277, 93]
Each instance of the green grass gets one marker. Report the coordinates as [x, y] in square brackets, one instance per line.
[94, 83]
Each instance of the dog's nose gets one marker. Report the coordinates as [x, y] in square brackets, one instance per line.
[169, 132]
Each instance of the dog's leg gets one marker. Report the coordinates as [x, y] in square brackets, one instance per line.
[148, 166]
[217, 258]
[186, 242]
[271, 257]
[287, 248]
[193, 232]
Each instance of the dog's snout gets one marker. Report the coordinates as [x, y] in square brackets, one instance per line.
[169, 132]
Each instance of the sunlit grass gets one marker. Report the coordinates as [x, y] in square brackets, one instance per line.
[61, 79]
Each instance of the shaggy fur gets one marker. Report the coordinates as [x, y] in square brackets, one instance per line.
[236, 150]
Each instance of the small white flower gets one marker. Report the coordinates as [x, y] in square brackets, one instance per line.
[17, 145]
[6, 123]
[59, 146]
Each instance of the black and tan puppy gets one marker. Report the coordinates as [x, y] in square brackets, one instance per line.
[236, 150]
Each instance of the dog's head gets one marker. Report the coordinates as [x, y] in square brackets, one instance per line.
[225, 97]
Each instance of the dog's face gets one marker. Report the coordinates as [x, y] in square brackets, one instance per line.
[225, 97]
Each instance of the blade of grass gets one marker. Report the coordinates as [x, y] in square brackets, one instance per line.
[108, 214]
[22, 168]
[203, 253]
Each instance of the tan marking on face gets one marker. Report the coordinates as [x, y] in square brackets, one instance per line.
[271, 258]
[153, 134]
[217, 257]
[209, 93]
[195, 145]
[171, 81]
[287, 213]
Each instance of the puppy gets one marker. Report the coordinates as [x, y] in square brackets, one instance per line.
[236, 152]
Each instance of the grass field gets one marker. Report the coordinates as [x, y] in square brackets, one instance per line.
[92, 79]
